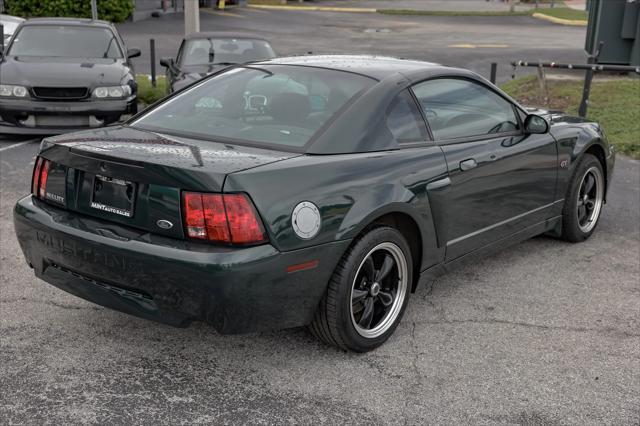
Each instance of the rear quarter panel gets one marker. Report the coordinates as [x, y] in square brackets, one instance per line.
[350, 190]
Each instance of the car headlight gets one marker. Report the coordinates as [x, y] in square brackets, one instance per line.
[112, 92]
[7, 90]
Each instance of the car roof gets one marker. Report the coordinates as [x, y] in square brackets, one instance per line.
[377, 67]
[9, 18]
[223, 34]
[68, 21]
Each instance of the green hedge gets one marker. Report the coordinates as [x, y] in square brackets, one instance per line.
[108, 10]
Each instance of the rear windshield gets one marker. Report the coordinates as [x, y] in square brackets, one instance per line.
[65, 41]
[261, 105]
[225, 50]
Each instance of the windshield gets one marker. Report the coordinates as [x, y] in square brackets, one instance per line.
[224, 50]
[65, 41]
[9, 27]
[260, 105]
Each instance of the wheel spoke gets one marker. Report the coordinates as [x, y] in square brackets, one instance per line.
[582, 213]
[386, 267]
[367, 315]
[588, 184]
[369, 269]
[358, 296]
[385, 298]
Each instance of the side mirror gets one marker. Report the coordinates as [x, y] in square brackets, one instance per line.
[535, 125]
[166, 62]
[133, 53]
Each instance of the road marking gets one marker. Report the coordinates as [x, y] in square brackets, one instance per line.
[231, 14]
[253, 9]
[314, 8]
[476, 46]
[15, 145]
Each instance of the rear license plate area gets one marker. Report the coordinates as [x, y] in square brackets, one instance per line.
[113, 195]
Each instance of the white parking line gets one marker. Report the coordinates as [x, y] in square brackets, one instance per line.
[15, 145]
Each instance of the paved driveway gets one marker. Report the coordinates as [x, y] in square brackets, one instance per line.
[544, 333]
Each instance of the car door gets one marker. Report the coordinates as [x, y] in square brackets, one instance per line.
[502, 180]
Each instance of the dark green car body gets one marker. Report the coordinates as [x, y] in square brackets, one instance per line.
[352, 170]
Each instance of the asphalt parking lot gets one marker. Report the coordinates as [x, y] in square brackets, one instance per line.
[543, 333]
[470, 42]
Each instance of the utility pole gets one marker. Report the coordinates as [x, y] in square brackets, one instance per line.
[94, 9]
[191, 16]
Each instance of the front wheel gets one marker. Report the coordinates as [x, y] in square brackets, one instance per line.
[367, 293]
[584, 200]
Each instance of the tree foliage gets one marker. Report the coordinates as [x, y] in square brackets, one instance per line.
[108, 10]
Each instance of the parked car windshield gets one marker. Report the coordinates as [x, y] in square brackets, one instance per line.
[67, 41]
[9, 25]
[224, 50]
[281, 105]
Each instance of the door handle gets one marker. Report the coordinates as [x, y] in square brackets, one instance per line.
[468, 164]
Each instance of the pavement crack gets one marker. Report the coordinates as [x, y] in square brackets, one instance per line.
[608, 330]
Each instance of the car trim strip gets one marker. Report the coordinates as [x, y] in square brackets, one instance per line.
[504, 222]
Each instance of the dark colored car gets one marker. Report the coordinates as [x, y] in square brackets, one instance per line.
[312, 191]
[9, 25]
[204, 53]
[61, 74]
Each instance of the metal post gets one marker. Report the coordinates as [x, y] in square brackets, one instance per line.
[152, 52]
[588, 78]
[94, 9]
[494, 72]
[191, 16]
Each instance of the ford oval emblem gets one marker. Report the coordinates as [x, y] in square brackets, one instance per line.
[164, 224]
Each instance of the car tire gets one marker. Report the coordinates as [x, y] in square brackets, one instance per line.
[367, 293]
[584, 200]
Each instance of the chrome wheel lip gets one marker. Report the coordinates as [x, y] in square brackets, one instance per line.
[592, 219]
[390, 317]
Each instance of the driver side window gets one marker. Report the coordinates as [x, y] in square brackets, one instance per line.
[458, 108]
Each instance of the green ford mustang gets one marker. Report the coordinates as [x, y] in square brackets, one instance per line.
[317, 191]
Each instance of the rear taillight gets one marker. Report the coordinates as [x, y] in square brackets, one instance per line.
[40, 176]
[224, 218]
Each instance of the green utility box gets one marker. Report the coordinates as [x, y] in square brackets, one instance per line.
[617, 24]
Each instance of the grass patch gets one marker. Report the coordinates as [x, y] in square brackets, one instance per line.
[450, 13]
[147, 94]
[614, 104]
[564, 13]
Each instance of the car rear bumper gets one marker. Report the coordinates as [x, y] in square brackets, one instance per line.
[173, 281]
[36, 117]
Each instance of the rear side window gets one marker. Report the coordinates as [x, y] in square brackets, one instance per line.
[404, 120]
[457, 108]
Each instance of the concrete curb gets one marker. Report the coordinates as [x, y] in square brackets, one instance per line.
[314, 8]
[571, 22]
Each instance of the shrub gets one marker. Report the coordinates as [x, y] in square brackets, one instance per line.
[108, 10]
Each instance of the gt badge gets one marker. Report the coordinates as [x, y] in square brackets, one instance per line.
[564, 164]
[305, 220]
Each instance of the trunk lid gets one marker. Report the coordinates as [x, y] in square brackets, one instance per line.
[135, 178]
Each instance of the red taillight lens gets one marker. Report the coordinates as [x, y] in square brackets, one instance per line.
[215, 218]
[36, 176]
[39, 178]
[194, 215]
[244, 224]
[228, 218]
[44, 175]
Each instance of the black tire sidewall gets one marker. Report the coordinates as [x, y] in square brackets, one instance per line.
[570, 226]
[349, 335]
